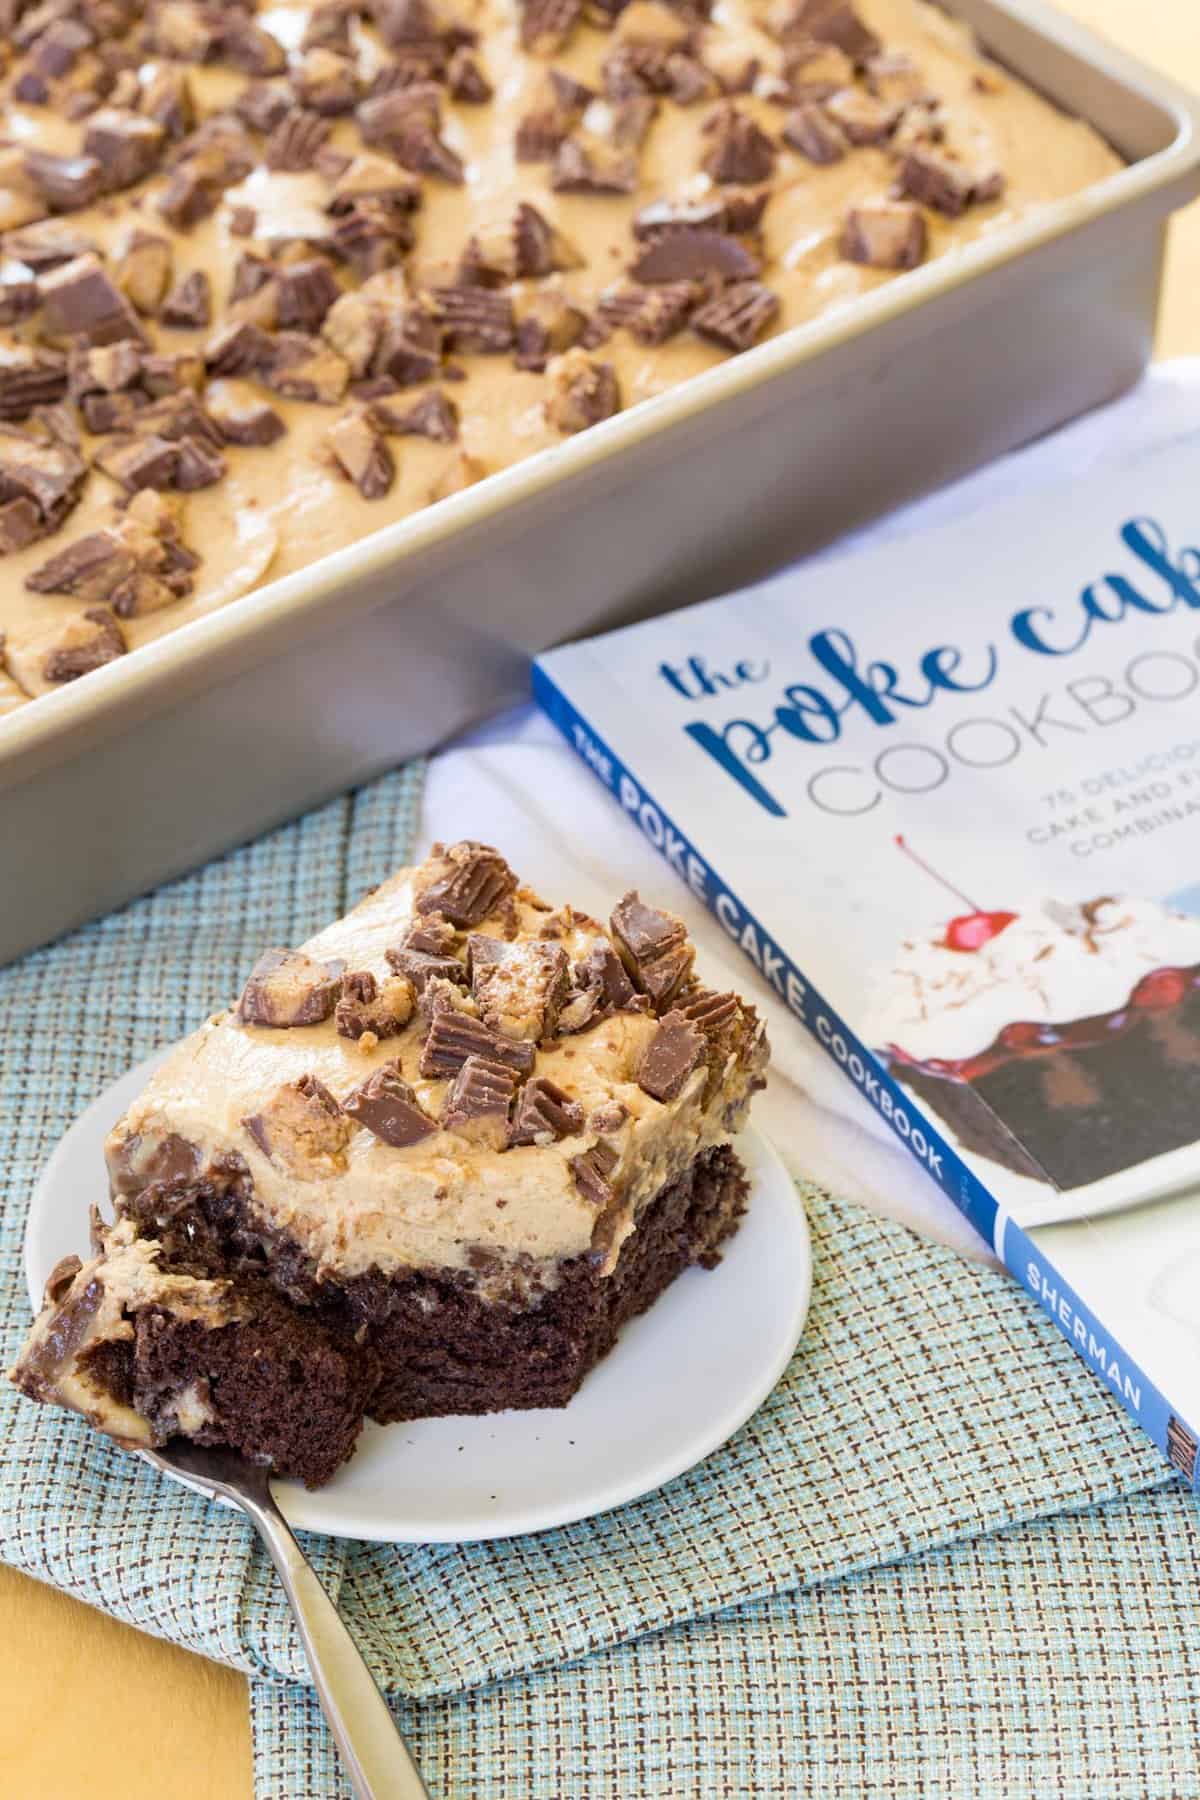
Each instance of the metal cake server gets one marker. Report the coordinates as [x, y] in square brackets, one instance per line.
[377, 1760]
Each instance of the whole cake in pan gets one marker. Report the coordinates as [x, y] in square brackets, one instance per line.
[1061, 1041]
[430, 1163]
[270, 280]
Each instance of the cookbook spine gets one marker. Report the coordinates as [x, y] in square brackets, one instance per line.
[915, 1131]
[1078, 1324]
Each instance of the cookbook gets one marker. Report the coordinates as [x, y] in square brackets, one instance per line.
[945, 795]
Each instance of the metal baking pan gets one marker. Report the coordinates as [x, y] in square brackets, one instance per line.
[315, 682]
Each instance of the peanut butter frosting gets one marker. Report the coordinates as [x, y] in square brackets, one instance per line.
[271, 280]
[455, 1076]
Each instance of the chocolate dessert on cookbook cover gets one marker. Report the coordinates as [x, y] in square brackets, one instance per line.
[945, 794]
[1061, 1041]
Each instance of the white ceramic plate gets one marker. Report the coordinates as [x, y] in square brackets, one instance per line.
[681, 1380]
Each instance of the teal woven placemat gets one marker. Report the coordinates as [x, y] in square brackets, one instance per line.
[1052, 1662]
[937, 1535]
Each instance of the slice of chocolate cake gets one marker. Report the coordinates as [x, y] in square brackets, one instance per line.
[429, 1163]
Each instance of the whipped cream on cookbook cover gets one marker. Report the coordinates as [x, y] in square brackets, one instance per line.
[1048, 963]
[945, 794]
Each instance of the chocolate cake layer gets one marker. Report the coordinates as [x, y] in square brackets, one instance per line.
[439, 1345]
[445, 1351]
[288, 1382]
[283, 1388]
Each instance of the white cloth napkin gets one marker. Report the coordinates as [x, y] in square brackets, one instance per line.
[514, 783]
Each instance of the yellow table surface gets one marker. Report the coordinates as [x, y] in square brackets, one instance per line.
[95, 1709]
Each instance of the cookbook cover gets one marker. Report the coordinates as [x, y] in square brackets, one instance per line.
[945, 794]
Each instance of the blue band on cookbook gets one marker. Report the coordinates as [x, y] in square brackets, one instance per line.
[1126, 1380]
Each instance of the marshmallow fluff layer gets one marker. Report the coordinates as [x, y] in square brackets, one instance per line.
[1053, 964]
[280, 505]
[463, 1196]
